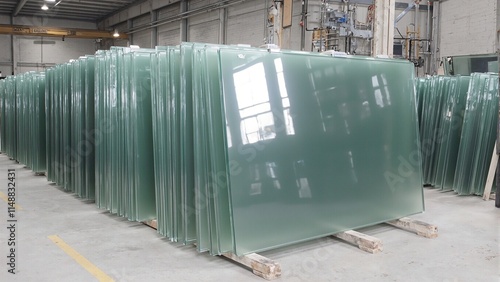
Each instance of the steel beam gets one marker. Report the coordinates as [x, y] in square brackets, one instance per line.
[57, 32]
[19, 7]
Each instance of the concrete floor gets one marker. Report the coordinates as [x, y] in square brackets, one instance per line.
[467, 248]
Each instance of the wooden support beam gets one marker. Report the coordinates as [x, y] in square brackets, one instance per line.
[364, 242]
[261, 266]
[420, 228]
[151, 223]
[58, 32]
[491, 174]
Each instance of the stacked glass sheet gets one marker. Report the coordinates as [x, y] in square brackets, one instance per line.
[458, 130]
[478, 135]
[235, 149]
[279, 145]
[69, 129]
[441, 107]
[124, 168]
[23, 119]
[450, 128]
[9, 116]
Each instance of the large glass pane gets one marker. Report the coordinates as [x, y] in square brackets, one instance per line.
[316, 145]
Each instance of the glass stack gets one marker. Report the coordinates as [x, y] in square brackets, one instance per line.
[8, 122]
[458, 130]
[124, 168]
[278, 148]
[478, 135]
[23, 119]
[69, 132]
[451, 128]
[37, 143]
[236, 149]
[442, 104]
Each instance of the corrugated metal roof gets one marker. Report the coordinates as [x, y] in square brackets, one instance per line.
[90, 10]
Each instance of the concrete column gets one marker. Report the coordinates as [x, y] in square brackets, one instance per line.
[130, 25]
[383, 30]
[154, 30]
[436, 35]
[222, 25]
[184, 24]
[13, 57]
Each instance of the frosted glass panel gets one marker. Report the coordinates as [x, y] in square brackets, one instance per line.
[316, 145]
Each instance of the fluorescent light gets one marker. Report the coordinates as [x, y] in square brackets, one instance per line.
[116, 34]
[45, 7]
[50, 1]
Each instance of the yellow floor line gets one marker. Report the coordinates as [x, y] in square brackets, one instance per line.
[4, 197]
[94, 270]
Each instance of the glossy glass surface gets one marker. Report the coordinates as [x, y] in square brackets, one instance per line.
[451, 128]
[314, 145]
[23, 119]
[142, 136]
[478, 134]
[89, 137]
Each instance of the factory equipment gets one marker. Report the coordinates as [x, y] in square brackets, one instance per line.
[340, 30]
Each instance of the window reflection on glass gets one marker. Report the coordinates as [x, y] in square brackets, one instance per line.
[268, 171]
[381, 91]
[271, 173]
[290, 130]
[228, 133]
[256, 186]
[257, 121]
[251, 86]
[301, 180]
[365, 110]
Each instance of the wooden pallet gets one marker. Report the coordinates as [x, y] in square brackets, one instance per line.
[270, 270]
[151, 223]
[260, 265]
[365, 242]
[419, 227]
[374, 245]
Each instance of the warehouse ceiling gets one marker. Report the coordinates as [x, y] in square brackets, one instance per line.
[90, 10]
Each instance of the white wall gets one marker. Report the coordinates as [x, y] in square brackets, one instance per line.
[30, 55]
[246, 23]
[142, 38]
[169, 34]
[468, 27]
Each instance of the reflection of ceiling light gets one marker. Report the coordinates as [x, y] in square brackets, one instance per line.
[116, 34]
[45, 7]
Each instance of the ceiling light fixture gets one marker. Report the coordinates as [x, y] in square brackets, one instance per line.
[116, 34]
[50, 1]
[45, 7]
